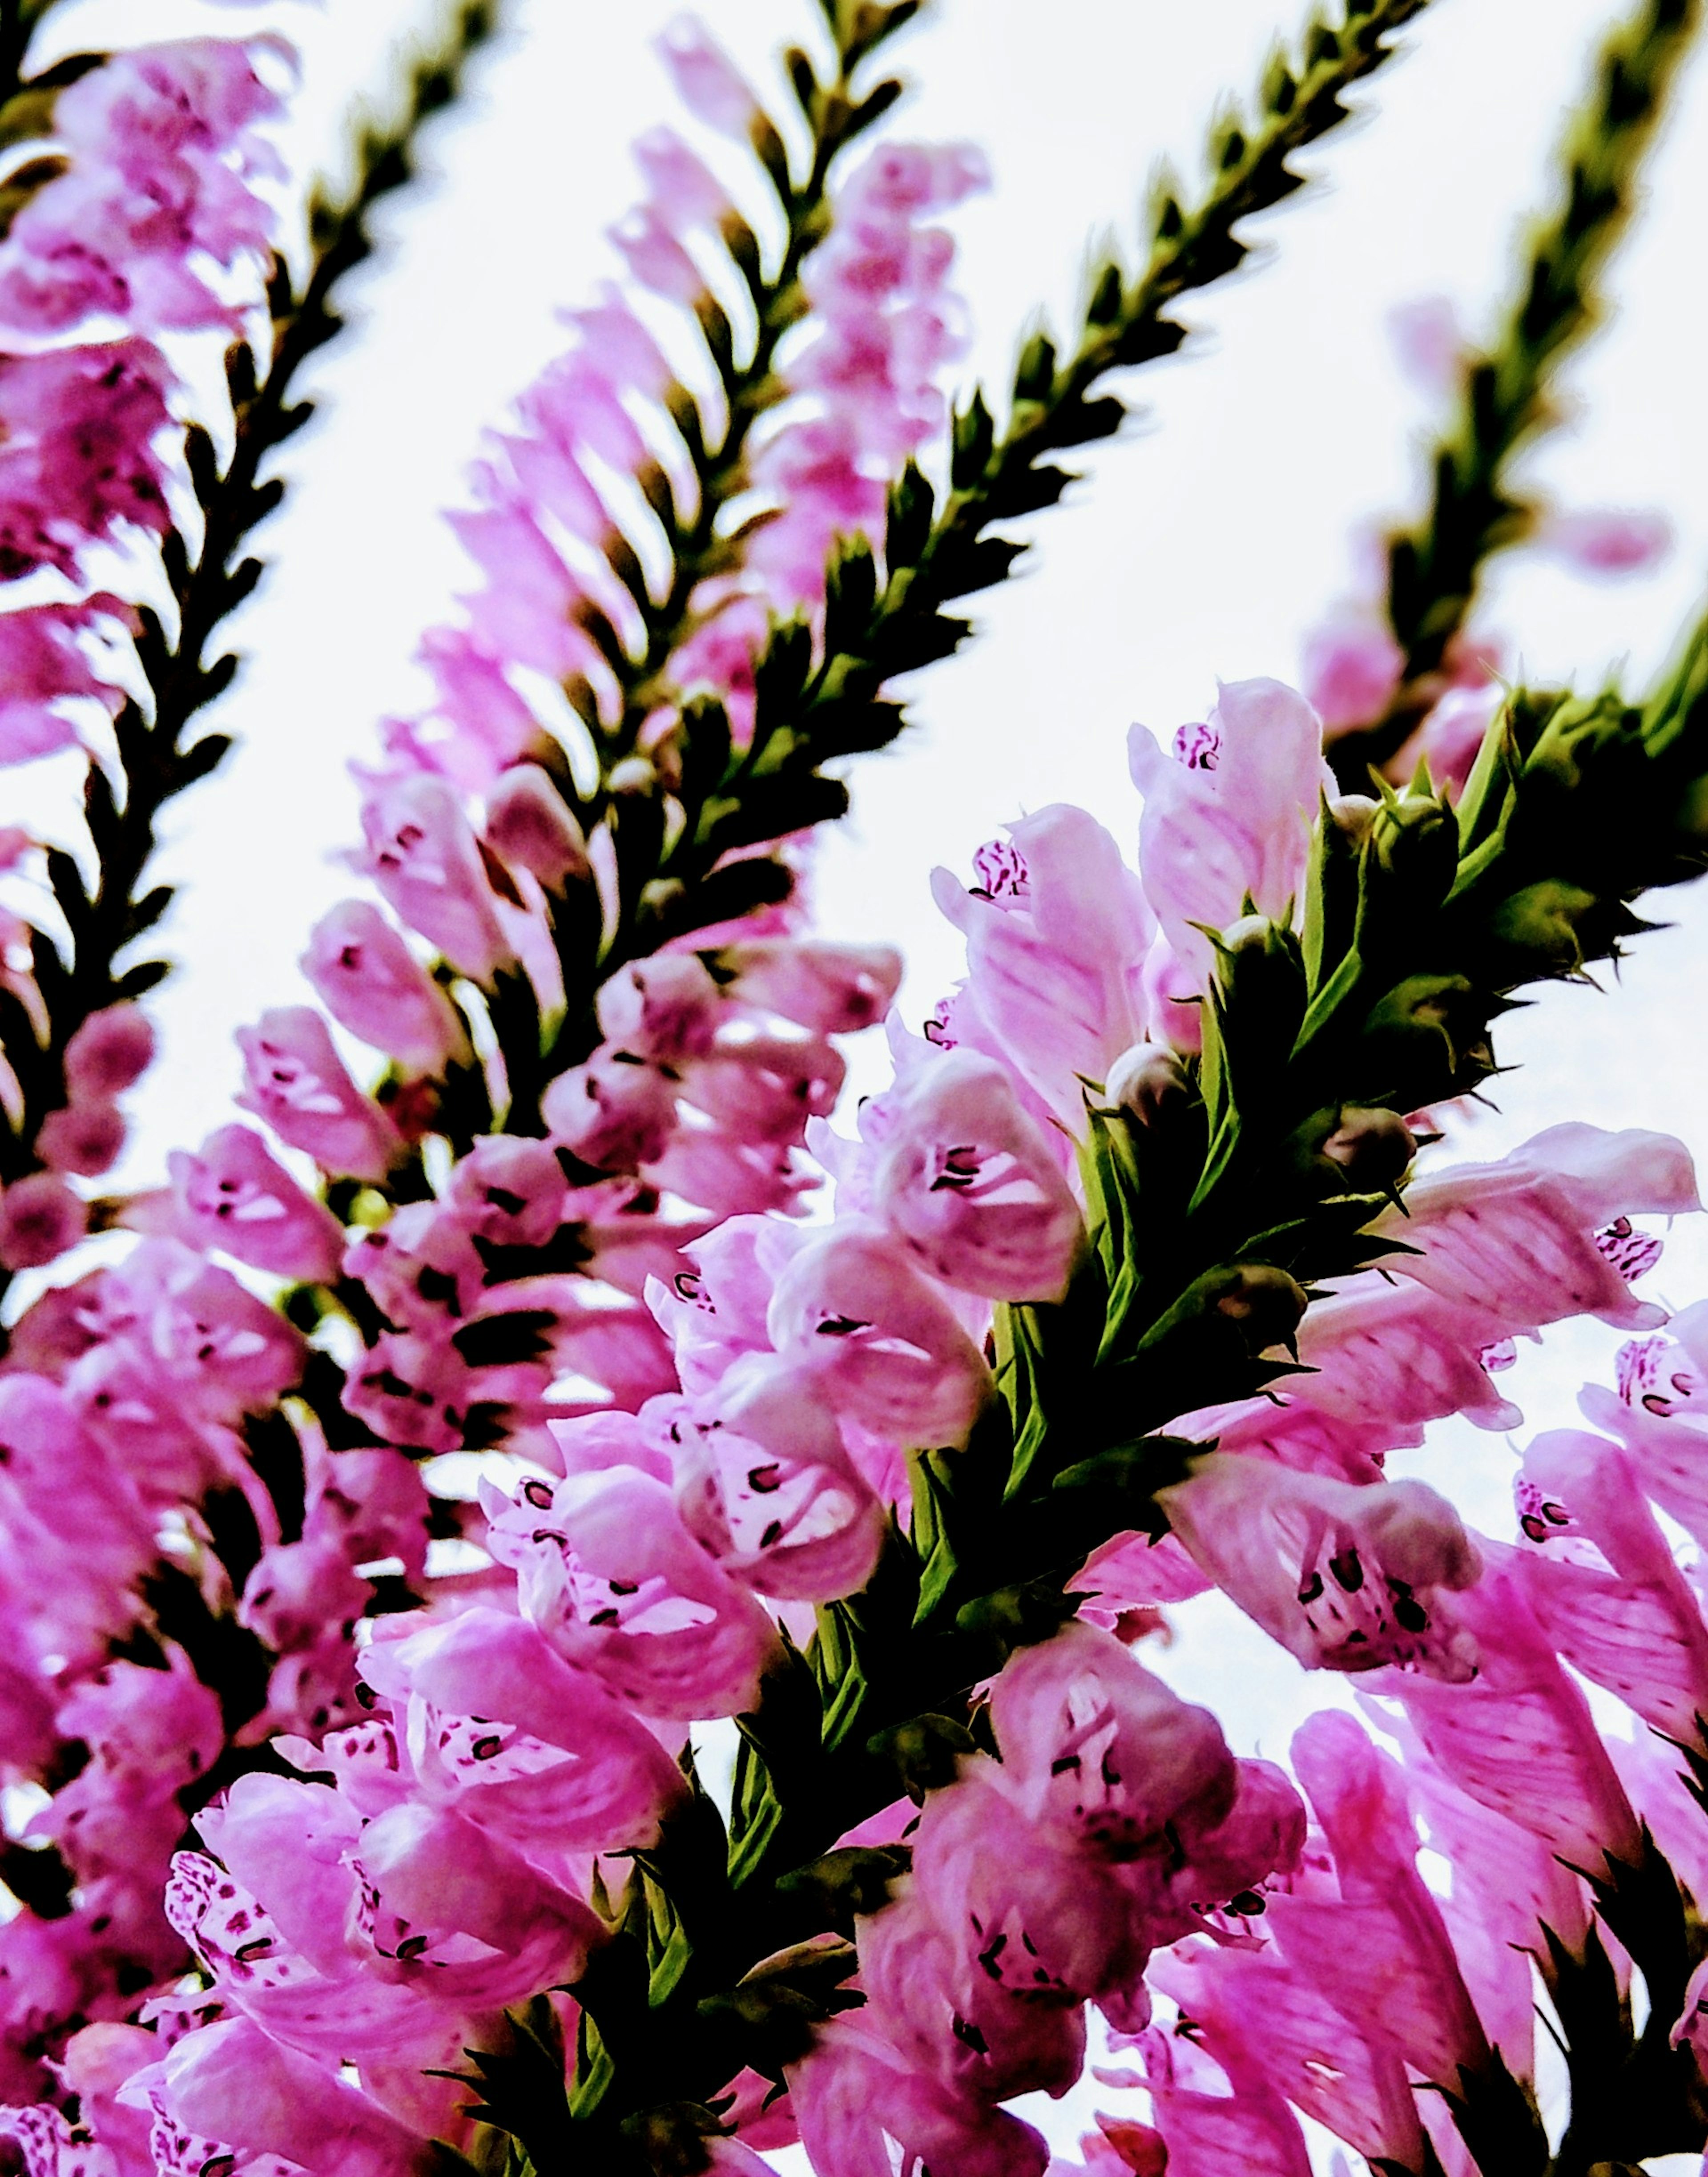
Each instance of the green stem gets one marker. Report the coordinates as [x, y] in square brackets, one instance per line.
[1478, 506]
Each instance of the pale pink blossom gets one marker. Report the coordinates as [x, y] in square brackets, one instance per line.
[422, 854]
[232, 1194]
[970, 1185]
[1233, 823]
[1056, 978]
[296, 1081]
[1345, 1577]
[1631, 1623]
[880, 1341]
[372, 983]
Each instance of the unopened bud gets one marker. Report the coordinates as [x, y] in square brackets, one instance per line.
[1414, 838]
[1541, 921]
[1352, 815]
[1145, 1078]
[1373, 1147]
[1267, 1302]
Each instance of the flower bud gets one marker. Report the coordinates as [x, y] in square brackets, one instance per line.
[1145, 1078]
[1265, 1301]
[1373, 1148]
[1542, 922]
[109, 1053]
[40, 1218]
[1415, 839]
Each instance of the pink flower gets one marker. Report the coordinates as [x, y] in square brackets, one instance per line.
[1607, 540]
[40, 1220]
[373, 984]
[1351, 670]
[1291, 2035]
[479, 1924]
[765, 1484]
[109, 1053]
[43, 665]
[864, 2112]
[528, 825]
[233, 1194]
[1380, 1954]
[1056, 979]
[422, 854]
[232, 2085]
[296, 1082]
[1521, 1739]
[882, 1341]
[84, 1139]
[1102, 1754]
[1451, 736]
[706, 81]
[835, 990]
[1632, 1623]
[1346, 1578]
[556, 1759]
[969, 1184]
[1516, 1242]
[1236, 821]
[80, 455]
[621, 1588]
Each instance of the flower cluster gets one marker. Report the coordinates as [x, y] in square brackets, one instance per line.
[143, 208]
[458, 1459]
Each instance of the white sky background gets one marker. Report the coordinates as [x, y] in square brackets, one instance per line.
[1203, 545]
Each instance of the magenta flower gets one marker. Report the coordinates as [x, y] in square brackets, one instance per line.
[231, 2087]
[1520, 1740]
[40, 1220]
[618, 1584]
[44, 666]
[1381, 1953]
[491, 1719]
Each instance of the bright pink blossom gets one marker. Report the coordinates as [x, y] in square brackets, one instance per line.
[41, 1217]
[618, 1584]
